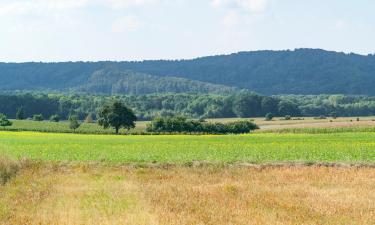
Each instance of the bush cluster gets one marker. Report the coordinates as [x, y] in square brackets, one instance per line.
[183, 125]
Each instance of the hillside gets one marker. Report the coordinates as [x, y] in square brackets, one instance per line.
[303, 71]
[112, 81]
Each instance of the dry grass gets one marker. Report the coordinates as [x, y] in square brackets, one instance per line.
[8, 169]
[178, 195]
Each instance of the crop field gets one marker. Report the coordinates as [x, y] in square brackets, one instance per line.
[277, 125]
[181, 149]
[63, 127]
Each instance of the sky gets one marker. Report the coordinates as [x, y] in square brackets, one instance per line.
[96, 30]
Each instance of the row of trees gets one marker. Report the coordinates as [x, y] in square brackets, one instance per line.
[116, 115]
[147, 107]
[182, 125]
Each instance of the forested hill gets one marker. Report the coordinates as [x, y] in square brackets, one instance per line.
[303, 71]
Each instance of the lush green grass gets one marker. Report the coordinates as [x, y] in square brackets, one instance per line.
[258, 148]
[63, 127]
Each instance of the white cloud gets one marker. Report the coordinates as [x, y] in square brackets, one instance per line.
[254, 6]
[21, 7]
[117, 4]
[251, 6]
[126, 23]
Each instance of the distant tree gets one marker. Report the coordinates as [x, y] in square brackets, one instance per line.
[287, 117]
[117, 115]
[38, 117]
[269, 116]
[20, 115]
[74, 123]
[333, 115]
[55, 118]
[89, 118]
[4, 122]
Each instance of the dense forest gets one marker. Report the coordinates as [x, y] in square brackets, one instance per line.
[303, 71]
[242, 104]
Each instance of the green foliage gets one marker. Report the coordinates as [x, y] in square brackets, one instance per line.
[147, 107]
[38, 117]
[269, 116]
[4, 122]
[287, 117]
[20, 115]
[55, 118]
[117, 115]
[182, 125]
[74, 123]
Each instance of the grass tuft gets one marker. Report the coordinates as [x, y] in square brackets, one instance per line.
[8, 169]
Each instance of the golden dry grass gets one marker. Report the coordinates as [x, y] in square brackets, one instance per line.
[178, 195]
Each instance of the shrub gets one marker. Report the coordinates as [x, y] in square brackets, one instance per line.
[269, 116]
[287, 117]
[38, 117]
[4, 122]
[182, 125]
[8, 169]
[54, 118]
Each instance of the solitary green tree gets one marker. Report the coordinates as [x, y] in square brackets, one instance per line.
[20, 115]
[74, 123]
[4, 122]
[117, 115]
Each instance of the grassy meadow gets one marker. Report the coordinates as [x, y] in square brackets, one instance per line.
[63, 127]
[181, 149]
[84, 194]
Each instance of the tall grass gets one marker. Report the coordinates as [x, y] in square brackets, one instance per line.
[8, 169]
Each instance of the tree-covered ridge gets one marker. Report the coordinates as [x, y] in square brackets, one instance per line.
[113, 81]
[303, 71]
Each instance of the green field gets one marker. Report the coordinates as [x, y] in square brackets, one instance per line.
[181, 149]
[63, 127]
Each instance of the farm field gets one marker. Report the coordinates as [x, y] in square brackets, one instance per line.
[354, 147]
[84, 194]
[304, 125]
[63, 127]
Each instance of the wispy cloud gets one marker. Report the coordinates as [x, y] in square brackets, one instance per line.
[126, 23]
[240, 11]
[250, 6]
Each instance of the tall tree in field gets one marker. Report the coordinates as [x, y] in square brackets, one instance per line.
[4, 122]
[117, 115]
[73, 123]
[20, 115]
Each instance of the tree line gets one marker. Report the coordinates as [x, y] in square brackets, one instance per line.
[147, 107]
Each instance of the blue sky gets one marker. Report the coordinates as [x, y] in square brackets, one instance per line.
[92, 30]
